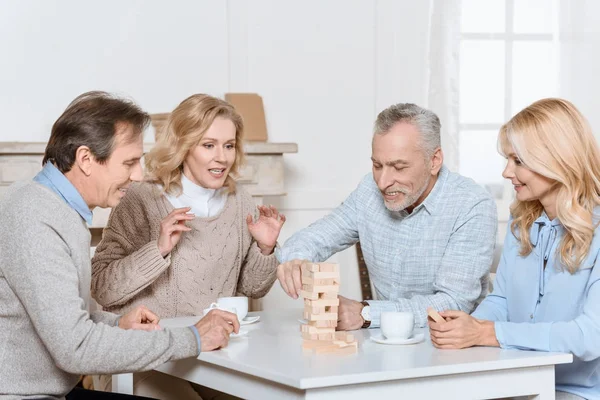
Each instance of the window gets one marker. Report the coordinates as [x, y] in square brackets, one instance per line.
[508, 59]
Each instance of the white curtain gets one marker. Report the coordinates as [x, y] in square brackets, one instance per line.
[443, 60]
[579, 49]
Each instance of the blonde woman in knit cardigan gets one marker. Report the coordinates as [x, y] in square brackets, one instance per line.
[187, 235]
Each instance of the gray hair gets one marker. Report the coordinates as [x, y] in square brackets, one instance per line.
[424, 120]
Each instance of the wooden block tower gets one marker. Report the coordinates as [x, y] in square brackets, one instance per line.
[320, 288]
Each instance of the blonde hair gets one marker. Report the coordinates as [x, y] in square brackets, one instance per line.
[552, 138]
[183, 130]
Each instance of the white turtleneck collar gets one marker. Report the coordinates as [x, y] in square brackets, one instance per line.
[204, 202]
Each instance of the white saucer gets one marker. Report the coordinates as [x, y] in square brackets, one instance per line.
[250, 320]
[242, 332]
[379, 338]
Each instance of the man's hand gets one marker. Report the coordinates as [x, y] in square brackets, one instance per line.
[290, 277]
[139, 318]
[349, 318]
[172, 227]
[215, 328]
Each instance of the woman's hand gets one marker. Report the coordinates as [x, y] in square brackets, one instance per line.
[461, 331]
[172, 227]
[265, 230]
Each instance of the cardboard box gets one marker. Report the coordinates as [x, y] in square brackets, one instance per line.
[250, 107]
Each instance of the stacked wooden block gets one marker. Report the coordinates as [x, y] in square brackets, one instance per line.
[320, 288]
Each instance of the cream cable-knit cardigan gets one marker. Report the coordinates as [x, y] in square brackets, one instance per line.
[218, 257]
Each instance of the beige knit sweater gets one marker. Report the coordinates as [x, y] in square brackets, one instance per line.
[218, 257]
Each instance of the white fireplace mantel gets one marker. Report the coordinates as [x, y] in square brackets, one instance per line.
[262, 174]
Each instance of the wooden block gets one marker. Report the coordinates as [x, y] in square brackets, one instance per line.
[319, 282]
[322, 302]
[316, 330]
[337, 347]
[324, 324]
[318, 336]
[314, 309]
[326, 346]
[322, 275]
[310, 336]
[322, 344]
[320, 310]
[311, 344]
[320, 317]
[309, 267]
[345, 337]
[328, 267]
[310, 295]
[321, 288]
[326, 336]
[328, 295]
[434, 315]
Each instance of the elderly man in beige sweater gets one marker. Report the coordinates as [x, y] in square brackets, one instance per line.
[48, 337]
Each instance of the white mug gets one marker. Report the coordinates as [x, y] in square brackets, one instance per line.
[215, 306]
[240, 303]
[397, 325]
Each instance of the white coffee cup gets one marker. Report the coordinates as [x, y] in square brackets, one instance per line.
[239, 303]
[215, 306]
[397, 325]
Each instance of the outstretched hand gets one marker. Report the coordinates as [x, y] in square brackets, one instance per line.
[265, 230]
[172, 227]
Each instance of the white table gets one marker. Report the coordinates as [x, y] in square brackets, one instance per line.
[269, 363]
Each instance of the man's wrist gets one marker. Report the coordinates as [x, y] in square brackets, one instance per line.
[198, 339]
[366, 319]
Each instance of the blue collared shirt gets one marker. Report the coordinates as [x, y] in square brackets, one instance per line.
[439, 255]
[549, 309]
[52, 178]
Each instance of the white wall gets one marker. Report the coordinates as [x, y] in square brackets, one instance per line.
[324, 69]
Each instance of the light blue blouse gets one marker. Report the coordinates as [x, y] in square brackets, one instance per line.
[548, 309]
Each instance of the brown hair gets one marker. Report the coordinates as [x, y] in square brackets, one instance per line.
[184, 129]
[91, 120]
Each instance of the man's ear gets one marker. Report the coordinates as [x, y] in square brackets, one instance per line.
[437, 159]
[84, 159]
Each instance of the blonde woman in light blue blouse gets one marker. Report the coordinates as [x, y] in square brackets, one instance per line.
[547, 291]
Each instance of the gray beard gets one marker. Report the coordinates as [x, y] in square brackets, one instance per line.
[409, 199]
